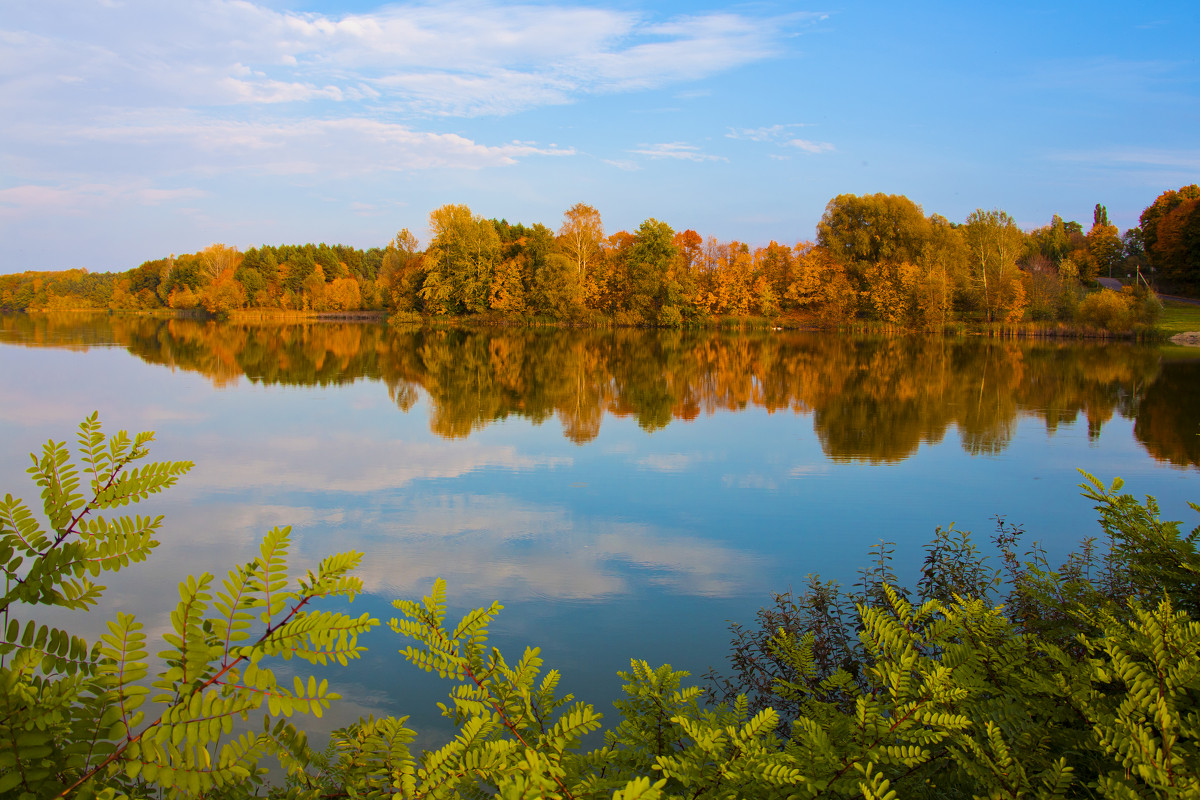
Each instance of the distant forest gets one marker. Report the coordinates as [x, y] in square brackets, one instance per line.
[876, 258]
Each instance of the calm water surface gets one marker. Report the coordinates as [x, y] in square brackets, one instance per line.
[623, 494]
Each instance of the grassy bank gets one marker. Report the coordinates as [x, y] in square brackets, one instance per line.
[1179, 318]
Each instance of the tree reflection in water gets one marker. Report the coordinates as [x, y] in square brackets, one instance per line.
[873, 399]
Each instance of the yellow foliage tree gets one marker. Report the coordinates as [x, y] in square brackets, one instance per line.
[218, 258]
[223, 295]
[313, 290]
[507, 293]
[183, 298]
[343, 294]
[819, 284]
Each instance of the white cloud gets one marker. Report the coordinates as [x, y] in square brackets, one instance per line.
[676, 150]
[85, 197]
[666, 462]
[462, 58]
[479, 544]
[780, 135]
[694, 47]
[351, 464]
[803, 470]
[264, 90]
[809, 146]
[217, 86]
[1183, 159]
[623, 164]
[768, 133]
[203, 148]
[469, 94]
[482, 546]
[199, 95]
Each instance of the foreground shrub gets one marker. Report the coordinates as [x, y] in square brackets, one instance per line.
[74, 718]
[1084, 683]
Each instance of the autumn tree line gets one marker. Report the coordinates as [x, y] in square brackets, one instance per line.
[876, 258]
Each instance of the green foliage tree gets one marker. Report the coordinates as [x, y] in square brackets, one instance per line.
[1134, 249]
[461, 260]
[535, 274]
[556, 288]
[254, 273]
[79, 719]
[873, 228]
[144, 280]
[652, 286]
[995, 243]
[1052, 241]
[298, 266]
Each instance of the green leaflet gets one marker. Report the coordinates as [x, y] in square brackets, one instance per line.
[76, 718]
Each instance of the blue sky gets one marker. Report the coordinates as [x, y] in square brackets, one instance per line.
[138, 128]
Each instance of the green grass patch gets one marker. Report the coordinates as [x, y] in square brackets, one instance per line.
[1179, 317]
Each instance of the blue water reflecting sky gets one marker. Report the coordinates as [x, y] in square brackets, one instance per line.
[637, 544]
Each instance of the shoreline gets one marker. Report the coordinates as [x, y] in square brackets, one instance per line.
[1057, 331]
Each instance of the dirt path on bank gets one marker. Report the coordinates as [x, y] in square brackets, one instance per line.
[1187, 338]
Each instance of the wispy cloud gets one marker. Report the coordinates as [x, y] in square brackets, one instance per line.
[780, 135]
[666, 462]
[1187, 159]
[459, 58]
[84, 197]
[768, 133]
[179, 146]
[809, 146]
[623, 164]
[313, 464]
[676, 150]
[469, 540]
[339, 146]
[213, 87]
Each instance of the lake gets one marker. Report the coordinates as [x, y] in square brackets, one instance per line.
[623, 493]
